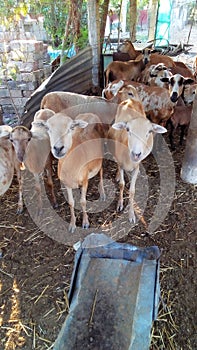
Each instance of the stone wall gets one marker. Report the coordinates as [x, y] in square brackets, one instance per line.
[24, 65]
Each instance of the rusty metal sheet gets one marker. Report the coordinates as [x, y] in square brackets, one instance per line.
[113, 297]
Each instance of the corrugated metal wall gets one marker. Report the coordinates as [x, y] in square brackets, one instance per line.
[74, 75]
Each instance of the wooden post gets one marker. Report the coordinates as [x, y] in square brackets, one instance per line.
[189, 165]
[94, 38]
[153, 19]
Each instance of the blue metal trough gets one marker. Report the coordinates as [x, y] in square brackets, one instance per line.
[113, 296]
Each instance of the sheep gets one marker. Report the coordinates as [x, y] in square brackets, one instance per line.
[118, 91]
[78, 146]
[152, 75]
[130, 141]
[155, 100]
[127, 47]
[189, 93]
[9, 164]
[149, 56]
[32, 147]
[129, 70]
[177, 85]
[180, 117]
[153, 58]
[75, 104]
[183, 69]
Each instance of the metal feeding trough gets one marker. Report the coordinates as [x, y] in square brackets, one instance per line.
[113, 297]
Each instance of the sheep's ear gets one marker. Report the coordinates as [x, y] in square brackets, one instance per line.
[119, 126]
[40, 122]
[5, 130]
[158, 128]
[188, 81]
[79, 123]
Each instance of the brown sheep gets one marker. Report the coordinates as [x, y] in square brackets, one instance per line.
[9, 164]
[32, 147]
[78, 146]
[130, 141]
[129, 70]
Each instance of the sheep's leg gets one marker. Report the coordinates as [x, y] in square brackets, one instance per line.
[171, 135]
[101, 187]
[48, 168]
[182, 134]
[20, 190]
[121, 187]
[39, 193]
[134, 175]
[71, 202]
[85, 221]
[118, 174]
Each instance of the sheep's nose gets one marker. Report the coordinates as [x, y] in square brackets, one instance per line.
[174, 97]
[58, 149]
[136, 156]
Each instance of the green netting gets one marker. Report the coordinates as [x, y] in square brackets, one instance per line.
[163, 23]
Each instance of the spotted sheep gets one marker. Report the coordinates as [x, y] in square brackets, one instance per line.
[155, 100]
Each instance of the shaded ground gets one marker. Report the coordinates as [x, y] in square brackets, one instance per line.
[36, 269]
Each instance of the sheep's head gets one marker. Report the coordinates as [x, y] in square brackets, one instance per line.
[20, 137]
[140, 136]
[60, 129]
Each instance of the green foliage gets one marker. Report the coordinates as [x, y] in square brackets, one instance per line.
[11, 11]
[83, 39]
[55, 16]
[142, 3]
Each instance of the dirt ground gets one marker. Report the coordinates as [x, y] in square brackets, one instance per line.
[37, 256]
[36, 269]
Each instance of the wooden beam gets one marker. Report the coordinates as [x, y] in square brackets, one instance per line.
[189, 165]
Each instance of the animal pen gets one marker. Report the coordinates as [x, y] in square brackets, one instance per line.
[114, 288]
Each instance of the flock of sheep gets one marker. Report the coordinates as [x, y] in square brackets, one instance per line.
[140, 97]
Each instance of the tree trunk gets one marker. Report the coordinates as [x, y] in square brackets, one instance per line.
[72, 29]
[133, 19]
[153, 8]
[189, 166]
[94, 38]
[103, 16]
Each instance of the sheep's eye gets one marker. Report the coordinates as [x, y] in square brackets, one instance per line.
[127, 129]
[130, 94]
[11, 140]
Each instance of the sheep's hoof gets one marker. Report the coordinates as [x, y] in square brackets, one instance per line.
[120, 206]
[19, 211]
[85, 225]
[132, 218]
[72, 228]
[55, 205]
[102, 197]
